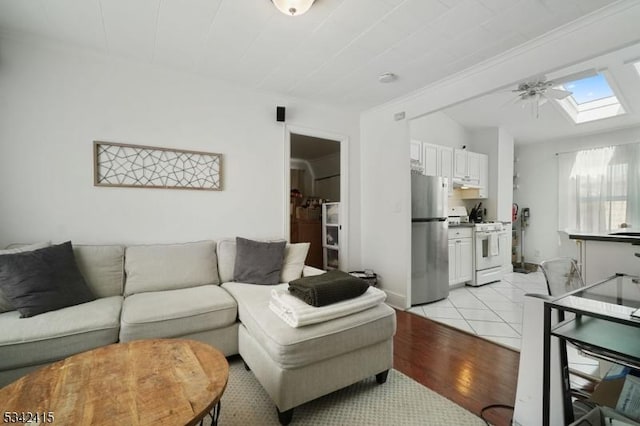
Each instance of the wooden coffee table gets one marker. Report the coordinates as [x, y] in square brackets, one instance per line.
[160, 382]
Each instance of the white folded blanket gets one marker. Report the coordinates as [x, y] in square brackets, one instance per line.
[297, 313]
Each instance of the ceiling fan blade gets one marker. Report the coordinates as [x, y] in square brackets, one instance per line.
[512, 100]
[542, 99]
[575, 76]
[557, 93]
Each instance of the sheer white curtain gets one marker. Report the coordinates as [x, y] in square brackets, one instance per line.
[599, 189]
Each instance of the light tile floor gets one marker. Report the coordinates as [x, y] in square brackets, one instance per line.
[494, 312]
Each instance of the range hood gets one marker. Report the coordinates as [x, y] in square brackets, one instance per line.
[465, 183]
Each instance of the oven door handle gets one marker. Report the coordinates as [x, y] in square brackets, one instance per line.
[484, 234]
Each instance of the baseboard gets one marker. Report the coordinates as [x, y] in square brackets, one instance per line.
[395, 300]
[528, 267]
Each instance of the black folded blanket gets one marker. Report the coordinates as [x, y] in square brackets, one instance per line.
[330, 287]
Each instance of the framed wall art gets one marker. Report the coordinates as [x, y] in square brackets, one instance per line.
[139, 166]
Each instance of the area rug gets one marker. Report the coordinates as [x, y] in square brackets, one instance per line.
[400, 401]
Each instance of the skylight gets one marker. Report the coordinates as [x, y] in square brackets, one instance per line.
[592, 98]
[637, 65]
[589, 89]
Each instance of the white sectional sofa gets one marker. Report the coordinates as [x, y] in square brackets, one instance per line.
[187, 291]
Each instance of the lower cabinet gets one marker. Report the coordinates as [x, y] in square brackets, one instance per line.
[460, 255]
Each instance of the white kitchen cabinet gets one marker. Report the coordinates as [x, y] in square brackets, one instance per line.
[464, 252]
[474, 160]
[430, 159]
[453, 257]
[467, 165]
[438, 161]
[460, 255]
[460, 163]
[445, 154]
[416, 155]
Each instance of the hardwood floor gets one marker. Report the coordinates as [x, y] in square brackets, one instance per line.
[470, 371]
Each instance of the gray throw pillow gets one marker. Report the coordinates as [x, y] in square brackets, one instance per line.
[5, 305]
[43, 280]
[258, 262]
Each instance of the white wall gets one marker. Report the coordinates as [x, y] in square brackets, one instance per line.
[498, 144]
[386, 204]
[56, 101]
[504, 180]
[537, 166]
[386, 197]
[485, 141]
[440, 129]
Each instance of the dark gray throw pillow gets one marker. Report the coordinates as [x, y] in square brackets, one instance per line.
[258, 262]
[43, 280]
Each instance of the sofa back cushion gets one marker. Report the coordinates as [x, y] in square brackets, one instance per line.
[170, 266]
[294, 256]
[102, 268]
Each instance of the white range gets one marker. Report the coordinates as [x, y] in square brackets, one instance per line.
[488, 252]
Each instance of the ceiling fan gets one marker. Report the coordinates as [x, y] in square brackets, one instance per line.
[537, 91]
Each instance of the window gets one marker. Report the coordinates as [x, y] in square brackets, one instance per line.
[599, 189]
[592, 99]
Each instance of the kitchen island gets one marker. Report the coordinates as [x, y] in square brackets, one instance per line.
[601, 255]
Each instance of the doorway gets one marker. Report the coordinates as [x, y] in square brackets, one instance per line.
[316, 176]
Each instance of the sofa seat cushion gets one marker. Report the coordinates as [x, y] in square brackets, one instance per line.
[296, 347]
[58, 334]
[173, 313]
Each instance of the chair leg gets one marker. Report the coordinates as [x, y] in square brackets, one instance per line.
[382, 377]
[285, 416]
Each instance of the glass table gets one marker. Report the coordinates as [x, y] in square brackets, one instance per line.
[606, 325]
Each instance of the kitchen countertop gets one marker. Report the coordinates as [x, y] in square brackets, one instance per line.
[471, 224]
[462, 225]
[595, 236]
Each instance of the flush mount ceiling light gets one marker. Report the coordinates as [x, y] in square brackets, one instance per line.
[387, 77]
[293, 7]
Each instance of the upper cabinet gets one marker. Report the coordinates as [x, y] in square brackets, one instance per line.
[457, 165]
[445, 154]
[430, 160]
[467, 165]
[438, 161]
[416, 155]
[460, 163]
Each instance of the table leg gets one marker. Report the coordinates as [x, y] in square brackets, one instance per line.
[214, 414]
[546, 365]
[566, 382]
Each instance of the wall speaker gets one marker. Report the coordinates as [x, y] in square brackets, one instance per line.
[280, 113]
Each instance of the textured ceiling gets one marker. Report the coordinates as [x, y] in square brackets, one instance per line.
[334, 53]
[500, 109]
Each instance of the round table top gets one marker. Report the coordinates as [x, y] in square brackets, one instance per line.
[161, 381]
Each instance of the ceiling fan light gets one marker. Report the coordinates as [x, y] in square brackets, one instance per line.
[293, 7]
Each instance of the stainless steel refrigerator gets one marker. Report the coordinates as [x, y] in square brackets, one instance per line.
[429, 239]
